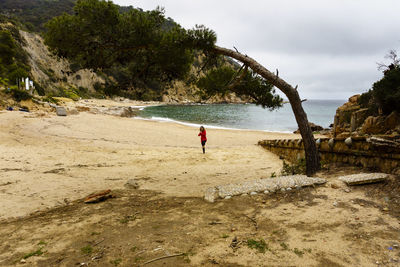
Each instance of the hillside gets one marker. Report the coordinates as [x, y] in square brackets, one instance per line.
[59, 77]
[52, 75]
[34, 13]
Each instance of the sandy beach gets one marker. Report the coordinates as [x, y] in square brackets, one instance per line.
[46, 160]
[49, 163]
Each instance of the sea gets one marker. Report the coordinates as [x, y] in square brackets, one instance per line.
[243, 116]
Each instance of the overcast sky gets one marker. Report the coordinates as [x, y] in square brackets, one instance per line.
[329, 48]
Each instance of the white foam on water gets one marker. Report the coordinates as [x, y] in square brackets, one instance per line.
[195, 125]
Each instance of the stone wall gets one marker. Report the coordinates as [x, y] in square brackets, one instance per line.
[358, 151]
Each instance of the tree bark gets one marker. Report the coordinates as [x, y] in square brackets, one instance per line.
[310, 148]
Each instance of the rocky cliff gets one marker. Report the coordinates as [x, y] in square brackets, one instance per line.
[54, 73]
[56, 76]
[352, 120]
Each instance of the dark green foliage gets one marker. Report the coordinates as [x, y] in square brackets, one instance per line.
[20, 95]
[34, 13]
[7, 48]
[245, 83]
[295, 168]
[386, 91]
[18, 73]
[137, 48]
[366, 100]
[13, 58]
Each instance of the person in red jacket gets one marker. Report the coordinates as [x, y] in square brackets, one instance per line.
[203, 138]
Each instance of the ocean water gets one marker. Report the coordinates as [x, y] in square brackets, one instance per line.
[243, 116]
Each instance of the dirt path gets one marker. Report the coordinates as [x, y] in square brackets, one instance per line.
[324, 226]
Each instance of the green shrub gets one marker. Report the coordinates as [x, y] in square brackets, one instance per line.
[261, 246]
[71, 93]
[50, 99]
[387, 91]
[20, 95]
[296, 168]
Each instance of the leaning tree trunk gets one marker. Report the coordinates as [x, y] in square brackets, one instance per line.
[310, 148]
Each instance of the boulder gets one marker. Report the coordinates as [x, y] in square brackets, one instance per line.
[392, 121]
[314, 128]
[357, 118]
[60, 111]
[129, 112]
[373, 125]
[354, 99]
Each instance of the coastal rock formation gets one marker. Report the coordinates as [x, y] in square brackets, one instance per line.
[352, 120]
[54, 73]
[314, 127]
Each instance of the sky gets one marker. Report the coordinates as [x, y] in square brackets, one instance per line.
[329, 48]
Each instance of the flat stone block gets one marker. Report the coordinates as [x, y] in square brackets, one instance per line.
[363, 178]
[261, 185]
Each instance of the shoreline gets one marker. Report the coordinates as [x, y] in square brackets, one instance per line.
[227, 116]
[48, 161]
[195, 125]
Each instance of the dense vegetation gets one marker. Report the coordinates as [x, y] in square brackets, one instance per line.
[384, 97]
[13, 58]
[145, 52]
[34, 13]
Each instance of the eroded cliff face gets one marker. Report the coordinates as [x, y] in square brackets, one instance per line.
[54, 73]
[352, 120]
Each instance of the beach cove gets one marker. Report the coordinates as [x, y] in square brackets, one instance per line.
[47, 158]
[48, 164]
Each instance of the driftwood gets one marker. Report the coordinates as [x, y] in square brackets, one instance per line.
[98, 196]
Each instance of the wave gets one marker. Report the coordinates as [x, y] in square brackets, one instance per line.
[196, 125]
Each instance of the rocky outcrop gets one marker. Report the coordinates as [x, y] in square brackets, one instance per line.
[352, 120]
[314, 127]
[54, 73]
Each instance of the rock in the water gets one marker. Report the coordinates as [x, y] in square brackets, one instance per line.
[132, 183]
[61, 111]
[228, 197]
[98, 196]
[253, 193]
[314, 127]
[363, 178]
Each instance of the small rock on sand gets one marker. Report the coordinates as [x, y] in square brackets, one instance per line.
[132, 184]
